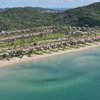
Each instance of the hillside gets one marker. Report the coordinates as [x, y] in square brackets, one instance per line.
[23, 18]
[18, 18]
[87, 15]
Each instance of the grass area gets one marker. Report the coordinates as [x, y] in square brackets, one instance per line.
[30, 41]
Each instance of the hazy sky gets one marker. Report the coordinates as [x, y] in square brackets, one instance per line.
[45, 3]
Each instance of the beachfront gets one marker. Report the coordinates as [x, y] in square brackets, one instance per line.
[32, 44]
[26, 59]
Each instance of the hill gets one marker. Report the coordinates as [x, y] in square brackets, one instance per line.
[18, 18]
[87, 15]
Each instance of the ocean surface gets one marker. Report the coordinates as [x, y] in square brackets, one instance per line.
[73, 76]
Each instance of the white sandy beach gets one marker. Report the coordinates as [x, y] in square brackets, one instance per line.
[39, 57]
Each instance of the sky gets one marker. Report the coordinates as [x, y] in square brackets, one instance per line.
[45, 3]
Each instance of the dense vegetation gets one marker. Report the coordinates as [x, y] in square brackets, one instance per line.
[21, 18]
[83, 16]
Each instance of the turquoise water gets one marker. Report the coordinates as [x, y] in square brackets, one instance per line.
[74, 76]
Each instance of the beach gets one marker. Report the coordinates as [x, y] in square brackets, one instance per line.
[26, 59]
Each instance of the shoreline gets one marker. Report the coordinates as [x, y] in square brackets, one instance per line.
[25, 59]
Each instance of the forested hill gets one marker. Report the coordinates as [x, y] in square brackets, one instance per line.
[18, 18]
[24, 18]
[87, 15]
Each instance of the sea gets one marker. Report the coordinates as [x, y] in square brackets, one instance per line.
[70, 76]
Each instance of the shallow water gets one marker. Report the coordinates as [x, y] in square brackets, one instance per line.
[74, 76]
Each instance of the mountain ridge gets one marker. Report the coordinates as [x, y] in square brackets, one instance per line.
[21, 18]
